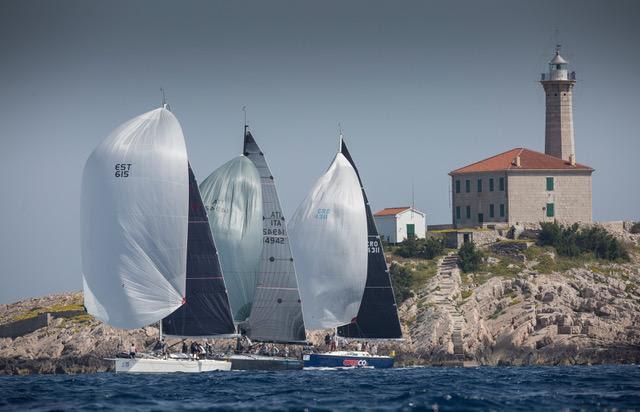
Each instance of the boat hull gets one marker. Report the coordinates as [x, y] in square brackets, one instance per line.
[144, 365]
[264, 363]
[346, 360]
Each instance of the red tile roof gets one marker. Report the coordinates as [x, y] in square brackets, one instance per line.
[529, 160]
[391, 211]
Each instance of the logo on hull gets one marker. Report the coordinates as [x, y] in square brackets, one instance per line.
[354, 362]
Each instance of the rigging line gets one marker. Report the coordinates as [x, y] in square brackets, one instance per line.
[340, 138]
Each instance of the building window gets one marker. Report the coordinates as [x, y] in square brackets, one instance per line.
[550, 210]
[467, 186]
[468, 212]
[479, 185]
[492, 212]
[457, 186]
[501, 183]
[501, 209]
[549, 183]
[491, 184]
[457, 212]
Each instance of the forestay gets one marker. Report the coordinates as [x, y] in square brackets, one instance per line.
[134, 214]
[233, 199]
[277, 313]
[329, 242]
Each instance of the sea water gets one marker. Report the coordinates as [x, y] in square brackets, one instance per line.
[481, 388]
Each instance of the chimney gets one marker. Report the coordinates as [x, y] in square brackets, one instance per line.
[572, 159]
[518, 161]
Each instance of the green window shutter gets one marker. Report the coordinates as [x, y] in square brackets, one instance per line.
[458, 212]
[501, 184]
[501, 209]
[479, 185]
[491, 184]
[457, 186]
[491, 210]
[467, 186]
[550, 210]
[549, 183]
[468, 212]
[411, 229]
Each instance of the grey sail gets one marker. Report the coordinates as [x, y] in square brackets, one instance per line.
[276, 315]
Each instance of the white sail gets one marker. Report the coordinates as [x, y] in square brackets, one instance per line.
[329, 241]
[134, 217]
[232, 196]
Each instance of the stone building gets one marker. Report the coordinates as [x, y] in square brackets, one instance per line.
[395, 224]
[525, 186]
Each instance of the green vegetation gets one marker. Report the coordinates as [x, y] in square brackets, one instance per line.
[52, 309]
[469, 257]
[635, 228]
[466, 293]
[429, 248]
[573, 241]
[401, 280]
[495, 314]
[408, 277]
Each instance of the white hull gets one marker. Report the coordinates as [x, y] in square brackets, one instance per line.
[145, 365]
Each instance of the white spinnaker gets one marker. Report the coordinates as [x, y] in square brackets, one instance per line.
[232, 196]
[329, 242]
[134, 220]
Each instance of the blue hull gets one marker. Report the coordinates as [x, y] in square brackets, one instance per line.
[321, 360]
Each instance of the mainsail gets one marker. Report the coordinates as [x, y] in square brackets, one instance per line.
[134, 215]
[329, 242]
[277, 313]
[378, 314]
[233, 198]
[206, 310]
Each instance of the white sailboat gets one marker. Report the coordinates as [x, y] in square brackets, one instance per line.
[375, 316]
[136, 227]
[329, 243]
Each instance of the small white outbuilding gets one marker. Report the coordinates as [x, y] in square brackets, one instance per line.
[395, 224]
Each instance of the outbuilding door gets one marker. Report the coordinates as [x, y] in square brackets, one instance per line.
[411, 230]
[480, 218]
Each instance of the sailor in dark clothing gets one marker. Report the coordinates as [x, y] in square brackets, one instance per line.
[327, 339]
[185, 349]
[194, 350]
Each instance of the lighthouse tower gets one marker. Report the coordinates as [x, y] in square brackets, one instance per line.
[558, 85]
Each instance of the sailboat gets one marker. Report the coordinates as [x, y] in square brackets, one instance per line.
[377, 316]
[248, 224]
[147, 251]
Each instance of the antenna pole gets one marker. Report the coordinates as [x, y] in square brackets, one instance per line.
[340, 138]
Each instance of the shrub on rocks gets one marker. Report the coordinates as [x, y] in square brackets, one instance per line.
[469, 257]
[573, 241]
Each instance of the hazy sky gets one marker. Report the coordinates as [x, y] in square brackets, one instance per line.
[420, 88]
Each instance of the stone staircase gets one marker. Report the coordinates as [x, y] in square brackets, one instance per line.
[448, 278]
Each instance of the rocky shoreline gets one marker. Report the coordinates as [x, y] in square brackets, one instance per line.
[525, 307]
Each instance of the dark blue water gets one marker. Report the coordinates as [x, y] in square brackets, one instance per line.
[484, 388]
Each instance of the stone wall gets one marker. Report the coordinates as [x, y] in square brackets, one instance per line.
[25, 326]
[528, 196]
[479, 202]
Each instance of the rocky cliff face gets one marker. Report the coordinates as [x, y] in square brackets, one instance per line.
[528, 308]
[524, 307]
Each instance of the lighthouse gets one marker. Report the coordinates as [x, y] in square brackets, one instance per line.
[558, 85]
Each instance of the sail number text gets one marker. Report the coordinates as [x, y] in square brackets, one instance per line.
[374, 246]
[122, 169]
